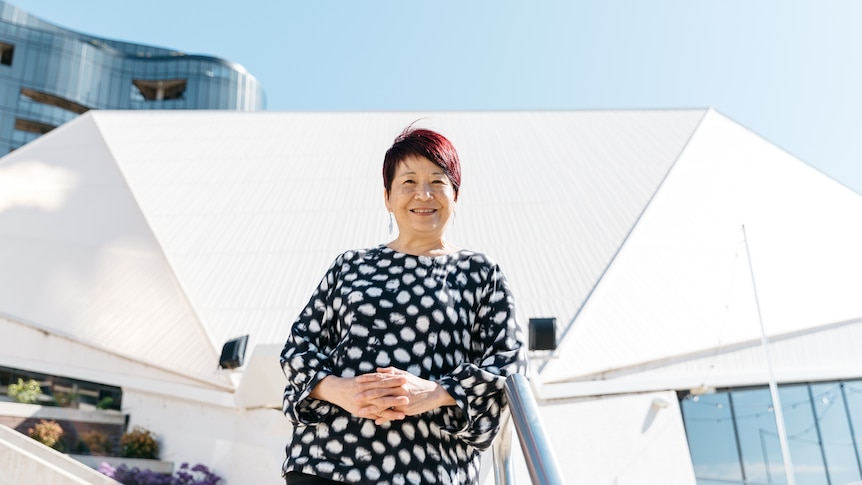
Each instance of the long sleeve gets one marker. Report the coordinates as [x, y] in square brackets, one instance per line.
[449, 319]
[478, 386]
[304, 359]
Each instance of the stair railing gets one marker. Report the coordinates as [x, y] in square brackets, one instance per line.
[523, 412]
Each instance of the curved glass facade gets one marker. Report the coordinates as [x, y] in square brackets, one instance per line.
[49, 75]
[733, 434]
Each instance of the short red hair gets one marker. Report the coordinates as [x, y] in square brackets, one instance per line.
[426, 143]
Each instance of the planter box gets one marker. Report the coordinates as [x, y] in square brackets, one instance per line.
[35, 411]
[23, 416]
[93, 461]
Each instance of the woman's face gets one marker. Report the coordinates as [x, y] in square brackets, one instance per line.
[422, 198]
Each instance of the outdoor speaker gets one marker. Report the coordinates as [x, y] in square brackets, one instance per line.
[233, 353]
[543, 333]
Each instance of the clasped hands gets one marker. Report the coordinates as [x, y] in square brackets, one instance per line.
[389, 394]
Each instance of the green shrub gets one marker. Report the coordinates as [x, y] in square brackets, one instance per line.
[95, 442]
[139, 443]
[105, 403]
[25, 392]
[49, 433]
[66, 399]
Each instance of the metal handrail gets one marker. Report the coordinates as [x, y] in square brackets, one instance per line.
[524, 413]
[504, 472]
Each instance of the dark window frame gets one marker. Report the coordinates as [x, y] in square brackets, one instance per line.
[7, 52]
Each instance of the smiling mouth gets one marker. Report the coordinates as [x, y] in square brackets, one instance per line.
[423, 211]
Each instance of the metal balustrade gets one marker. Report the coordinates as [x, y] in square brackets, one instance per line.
[523, 412]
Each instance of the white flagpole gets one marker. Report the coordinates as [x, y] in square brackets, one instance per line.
[773, 386]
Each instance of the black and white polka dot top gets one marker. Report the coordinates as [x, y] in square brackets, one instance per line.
[448, 318]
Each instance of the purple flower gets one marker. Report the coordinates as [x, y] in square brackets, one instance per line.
[107, 470]
[196, 475]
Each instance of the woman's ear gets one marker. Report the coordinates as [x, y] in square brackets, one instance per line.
[386, 200]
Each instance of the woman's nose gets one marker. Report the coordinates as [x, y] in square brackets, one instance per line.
[423, 192]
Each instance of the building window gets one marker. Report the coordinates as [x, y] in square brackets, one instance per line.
[160, 90]
[63, 391]
[733, 434]
[6, 51]
[33, 126]
[52, 100]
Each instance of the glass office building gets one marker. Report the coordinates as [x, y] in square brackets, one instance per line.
[49, 75]
[733, 434]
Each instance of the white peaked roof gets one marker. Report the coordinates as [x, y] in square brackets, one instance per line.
[157, 236]
[740, 240]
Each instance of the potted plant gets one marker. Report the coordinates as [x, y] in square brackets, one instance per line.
[49, 433]
[95, 442]
[139, 443]
[25, 392]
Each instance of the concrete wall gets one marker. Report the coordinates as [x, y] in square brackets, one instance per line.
[241, 446]
[619, 440]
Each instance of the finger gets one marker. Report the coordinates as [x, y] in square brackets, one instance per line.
[381, 387]
[369, 412]
[389, 415]
[370, 377]
[386, 379]
[384, 401]
[387, 402]
[380, 421]
[380, 401]
[381, 416]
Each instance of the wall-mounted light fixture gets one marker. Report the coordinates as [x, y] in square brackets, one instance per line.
[233, 353]
[543, 334]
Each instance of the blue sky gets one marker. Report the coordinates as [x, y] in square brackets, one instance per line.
[789, 70]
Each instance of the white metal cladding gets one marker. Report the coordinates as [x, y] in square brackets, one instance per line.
[251, 209]
[682, 282]
[79, 259]
[826, 353]
[199, 227]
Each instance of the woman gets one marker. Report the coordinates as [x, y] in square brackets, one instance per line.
[396, 366]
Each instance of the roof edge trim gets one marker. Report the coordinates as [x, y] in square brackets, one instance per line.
[54, 333]
[610, 374]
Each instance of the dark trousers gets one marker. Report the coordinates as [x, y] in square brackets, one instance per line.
[297, 478]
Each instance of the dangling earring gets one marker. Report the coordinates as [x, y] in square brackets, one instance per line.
[390, 223]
